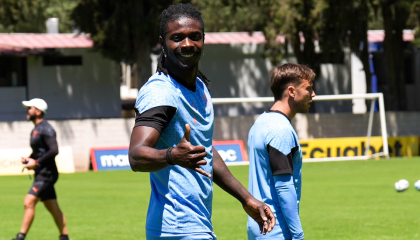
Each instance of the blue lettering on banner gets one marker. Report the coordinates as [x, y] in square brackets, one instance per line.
[232, 152]
[104, 159]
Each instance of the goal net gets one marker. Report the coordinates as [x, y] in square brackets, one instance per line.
[366, 150]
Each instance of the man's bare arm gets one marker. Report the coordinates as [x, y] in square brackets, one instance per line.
[143, 156]
[259, 211]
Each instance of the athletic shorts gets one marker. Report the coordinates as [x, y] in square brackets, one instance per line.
[154, 235]
[43, 189]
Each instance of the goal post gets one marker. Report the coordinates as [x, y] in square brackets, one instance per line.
[367, 96]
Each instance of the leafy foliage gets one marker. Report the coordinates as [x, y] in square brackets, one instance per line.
[414, 21]
[231, 15]
[120, 28]
[61, 9]
[30, 15]
[123, 30]
[126, 30]
[334, 24]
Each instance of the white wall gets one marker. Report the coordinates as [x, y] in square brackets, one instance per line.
[237, 70]
[333, 79]
[82, 135]
[91, 90]
[358, 83]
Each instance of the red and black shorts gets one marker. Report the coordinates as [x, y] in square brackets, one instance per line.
[43, 189]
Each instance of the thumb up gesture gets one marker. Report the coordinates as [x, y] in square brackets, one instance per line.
[189, 156]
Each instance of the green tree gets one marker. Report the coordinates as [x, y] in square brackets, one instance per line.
[335, 24]
[123, 30]
[62, 10]
[232, 15]
[414, 21]
[395, 14]
[269, 16]
[345, 24]
[30, 15]
[296, 18]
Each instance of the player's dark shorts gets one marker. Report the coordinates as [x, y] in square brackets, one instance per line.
[43, 189]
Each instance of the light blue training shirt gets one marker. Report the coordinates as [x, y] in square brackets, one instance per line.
[181, 199]
[277, 180]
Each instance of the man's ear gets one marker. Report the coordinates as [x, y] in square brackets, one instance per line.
[38, 112]
[291, 91]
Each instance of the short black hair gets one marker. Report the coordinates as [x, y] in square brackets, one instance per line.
[176, 11]
[172, 13]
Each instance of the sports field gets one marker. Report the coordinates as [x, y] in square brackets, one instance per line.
[341, 200]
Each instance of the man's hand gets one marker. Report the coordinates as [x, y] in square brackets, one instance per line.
[189, 156]
[261, 213]
[24, 160]
[30, 163]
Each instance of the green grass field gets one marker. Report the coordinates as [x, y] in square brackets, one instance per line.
[340, 200]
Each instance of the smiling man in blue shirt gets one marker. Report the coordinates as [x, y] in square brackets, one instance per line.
[275, 155]
[172, 138]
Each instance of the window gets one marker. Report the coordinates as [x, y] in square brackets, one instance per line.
[12, 71]
[62, 60]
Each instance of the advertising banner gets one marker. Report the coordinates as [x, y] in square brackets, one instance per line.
[10, 161]
[406, 146]
[232, 152]
[113, 158]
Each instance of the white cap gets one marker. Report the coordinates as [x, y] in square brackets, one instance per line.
[38, 103]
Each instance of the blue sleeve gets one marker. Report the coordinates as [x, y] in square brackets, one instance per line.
[280, 139]
[286, 192]
[156, 93]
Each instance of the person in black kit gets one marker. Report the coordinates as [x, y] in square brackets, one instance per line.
[44, 149]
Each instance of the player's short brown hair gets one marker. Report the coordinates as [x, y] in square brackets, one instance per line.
[288, 74]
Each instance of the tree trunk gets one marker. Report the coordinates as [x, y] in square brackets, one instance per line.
[401, 16]
[394, 53]
[364, 54]
[308, 33]
[296, 46]
[364, 57]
